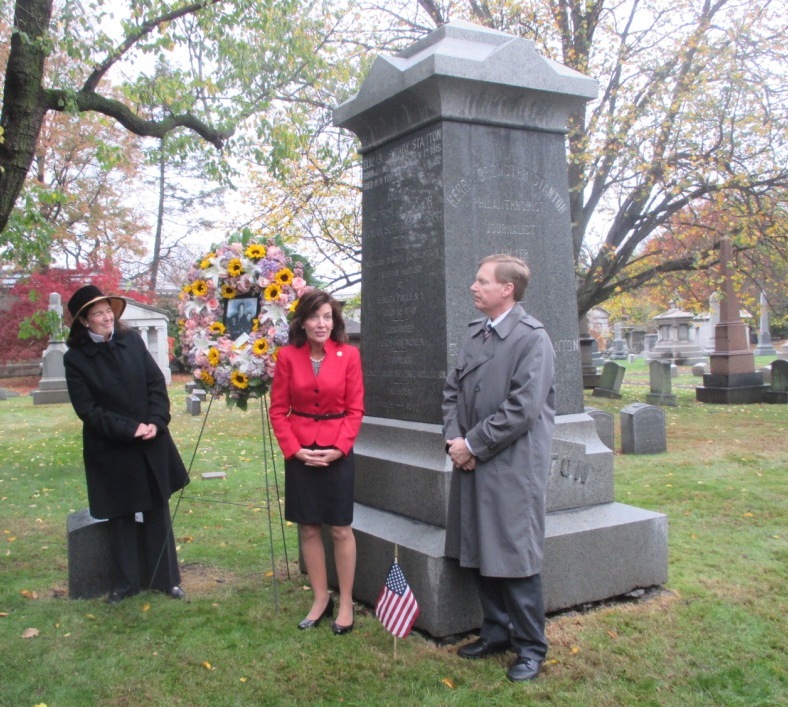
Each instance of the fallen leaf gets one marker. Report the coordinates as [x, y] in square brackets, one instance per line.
[207, 665]
[612, 634]
[146, 607]
[27, 594]
[90, 616]
[30, 633]
[3, 614]
[449, 683]
[243, 679]
[574, 650]
[749, 515]
[552, 661]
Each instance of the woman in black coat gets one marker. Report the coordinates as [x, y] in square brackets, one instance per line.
[131, 463]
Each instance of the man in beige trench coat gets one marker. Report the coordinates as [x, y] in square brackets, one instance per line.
[499, 410]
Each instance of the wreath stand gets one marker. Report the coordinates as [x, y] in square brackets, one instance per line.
[269, 465]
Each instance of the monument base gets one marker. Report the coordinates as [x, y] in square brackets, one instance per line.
[47, 397]
[732, 388]
[591, 554]
[591, 380]
[776, 397]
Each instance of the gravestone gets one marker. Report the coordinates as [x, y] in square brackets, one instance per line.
[620, 349]
[764, 347]
[605, 426]
[193, 404]
[660, 377]
[52, 387]
[778, 390]
[463, 145]
[610, 382]
[699, 369]
[590, 373]
[91, 568]
[732, 378]
[675, 343]
[643, 429]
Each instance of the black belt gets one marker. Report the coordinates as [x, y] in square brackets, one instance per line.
[324, 416]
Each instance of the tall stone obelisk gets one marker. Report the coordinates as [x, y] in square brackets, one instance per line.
[463, 143]
[732, 378]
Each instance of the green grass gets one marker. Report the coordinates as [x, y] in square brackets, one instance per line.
[715, 635]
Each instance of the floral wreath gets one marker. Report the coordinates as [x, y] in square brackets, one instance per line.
[235, 355]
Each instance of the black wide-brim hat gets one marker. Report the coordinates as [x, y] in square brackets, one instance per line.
[88, 295]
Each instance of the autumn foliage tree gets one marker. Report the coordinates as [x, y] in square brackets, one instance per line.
[31, 295]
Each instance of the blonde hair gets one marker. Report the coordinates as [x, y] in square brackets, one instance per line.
[509, 268]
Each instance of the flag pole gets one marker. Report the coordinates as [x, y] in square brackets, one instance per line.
[396, 559]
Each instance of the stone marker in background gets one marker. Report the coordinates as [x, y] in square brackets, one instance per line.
[605, 426]
[52, 386]
[778, 390]
[643, 429]
[610, 382]
[463, 144]
[764, 347]
[193, 404]
[733, 378]
[660, 377]
[590, 373]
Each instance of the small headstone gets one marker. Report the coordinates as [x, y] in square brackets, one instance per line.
[778, 390]
[674, 370]
[193, 405]
[661, 382]
[199, 393]
[3, 394]
[190, 386]
[631, 358]
[214, 475]
[700, 369]
[610, 383]
[91, 569]
[643, 429]
[605, 425]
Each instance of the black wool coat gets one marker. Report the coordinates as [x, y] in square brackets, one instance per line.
[114, 387]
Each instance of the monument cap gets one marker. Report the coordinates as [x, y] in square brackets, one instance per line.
[90, 294]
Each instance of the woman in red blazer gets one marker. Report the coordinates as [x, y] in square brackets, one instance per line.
[317, 402]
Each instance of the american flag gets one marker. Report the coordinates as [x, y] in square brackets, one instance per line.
[396, 606]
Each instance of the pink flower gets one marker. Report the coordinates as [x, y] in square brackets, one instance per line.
[213, 304]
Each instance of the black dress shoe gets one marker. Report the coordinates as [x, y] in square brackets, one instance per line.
[481, 648]
[524, 669]
[342, 630]
[177, 593]
[314, 623]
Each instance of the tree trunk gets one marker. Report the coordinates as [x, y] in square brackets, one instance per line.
[154, 264]
[23, 105]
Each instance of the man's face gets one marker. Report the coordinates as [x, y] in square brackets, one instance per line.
[491, 297]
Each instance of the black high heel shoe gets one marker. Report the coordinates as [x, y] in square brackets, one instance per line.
[342, 630]
[314, 623]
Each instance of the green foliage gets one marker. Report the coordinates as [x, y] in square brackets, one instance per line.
[43, 324]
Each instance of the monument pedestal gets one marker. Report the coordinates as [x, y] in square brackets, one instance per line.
[594, 548]
[732, 389]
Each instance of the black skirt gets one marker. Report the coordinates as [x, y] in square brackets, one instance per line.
[320, 495]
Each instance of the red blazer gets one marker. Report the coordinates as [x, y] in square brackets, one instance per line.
[338, 387]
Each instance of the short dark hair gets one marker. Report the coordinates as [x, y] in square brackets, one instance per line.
[510, 268]
[307, 305]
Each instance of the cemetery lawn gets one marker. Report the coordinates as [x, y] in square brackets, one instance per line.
[716, 634]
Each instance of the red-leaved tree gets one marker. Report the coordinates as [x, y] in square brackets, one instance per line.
[31, 295]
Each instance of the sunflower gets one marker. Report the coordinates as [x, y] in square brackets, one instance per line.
[235, 268]
[200, 288]
[260, 347]
[272, 292]
[228, 291]
[208, 379]
[284, 276]
[293, 305]
[256, 324]
[186, 290]
[255, 252]
[214, 356]
[217, 328]
[239, 380]
[207, 261]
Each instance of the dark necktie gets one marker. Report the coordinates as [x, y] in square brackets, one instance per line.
[488, 331]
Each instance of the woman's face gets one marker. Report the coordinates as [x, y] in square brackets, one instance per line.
[100, 319]
[319, 324]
